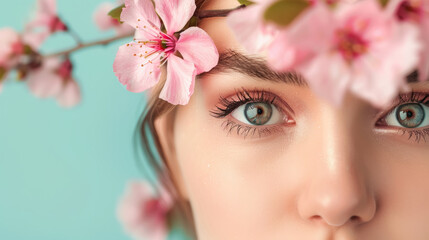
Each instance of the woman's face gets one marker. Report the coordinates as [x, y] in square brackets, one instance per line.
[260, 157]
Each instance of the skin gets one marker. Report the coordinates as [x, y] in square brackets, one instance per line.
[328, 173]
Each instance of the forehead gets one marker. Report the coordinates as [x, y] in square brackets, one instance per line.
[218, 28]
[220, 4]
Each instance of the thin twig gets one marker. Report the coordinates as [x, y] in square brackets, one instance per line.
[217, 13]
[86, 45]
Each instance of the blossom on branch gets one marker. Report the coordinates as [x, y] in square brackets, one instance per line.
[45, 23]
[11, 47]
[143, 213]
[137, 64]
[415, 12]
[54, 79]
[352, 46]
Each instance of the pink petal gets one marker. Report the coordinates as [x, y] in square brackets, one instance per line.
[70, 94]
[369, 83]
[101, 17]
[35, 39]
[197, 47]
[175, 13]
[44, 83]
[424, 62]
[124, 29]
[141, 15]
[47, 7]
[129, 71]
[379, 77]
[310, 34]
[403, 53]
[250, 29]
[179, 85]
[423, 67]
[8, 36]
[328, 76]
[52, 63]
[136, 220]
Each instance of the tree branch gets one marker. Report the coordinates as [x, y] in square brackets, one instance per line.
[86, 45]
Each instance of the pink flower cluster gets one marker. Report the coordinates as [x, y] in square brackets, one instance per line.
[143, 213]
[45, 76]
[355, 46]
[138, 63]
[48, 76]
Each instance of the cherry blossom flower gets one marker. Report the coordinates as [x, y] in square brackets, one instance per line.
[365, 51]
[415, 12]
[137, 64]
[45, 23]
[54, 79]
[355, 46]
[69, 95]
[249, 27]
[11, 46]
[105, 22]
[142, 213]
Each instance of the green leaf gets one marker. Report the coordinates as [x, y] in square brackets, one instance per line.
[193, 21]
[2, 73]
[245, 2]
[116, 13]
[28, 50]
[284, 12]
[383, 3]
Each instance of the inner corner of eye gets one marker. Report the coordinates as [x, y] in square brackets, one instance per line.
[381, 123]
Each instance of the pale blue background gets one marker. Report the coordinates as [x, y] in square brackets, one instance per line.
[63, 171]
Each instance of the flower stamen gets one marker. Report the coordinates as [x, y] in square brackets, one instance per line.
[351, 45]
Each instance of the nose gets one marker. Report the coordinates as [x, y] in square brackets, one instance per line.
[338, 190]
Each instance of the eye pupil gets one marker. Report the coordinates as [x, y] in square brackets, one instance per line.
[410, 115]
[258, 113]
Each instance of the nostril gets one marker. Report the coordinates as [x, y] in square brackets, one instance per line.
[319, 220]
[316, 219]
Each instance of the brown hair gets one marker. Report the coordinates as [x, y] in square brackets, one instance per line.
[154, 153]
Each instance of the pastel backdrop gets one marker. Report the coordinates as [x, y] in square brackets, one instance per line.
[62, 171]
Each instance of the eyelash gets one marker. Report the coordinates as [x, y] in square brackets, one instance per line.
[228, 105]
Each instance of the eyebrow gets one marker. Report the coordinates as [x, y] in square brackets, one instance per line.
[256, 66]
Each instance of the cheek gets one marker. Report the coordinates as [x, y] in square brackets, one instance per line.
[401, 176]
[229, 180]
[249, 189]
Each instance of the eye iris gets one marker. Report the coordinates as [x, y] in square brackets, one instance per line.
[410, 115]
[258, 113]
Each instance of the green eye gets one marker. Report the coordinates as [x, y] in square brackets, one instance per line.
[410, 115]
[258, 113]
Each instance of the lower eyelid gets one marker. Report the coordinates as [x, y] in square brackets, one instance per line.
[417, 135]
[247, 131]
